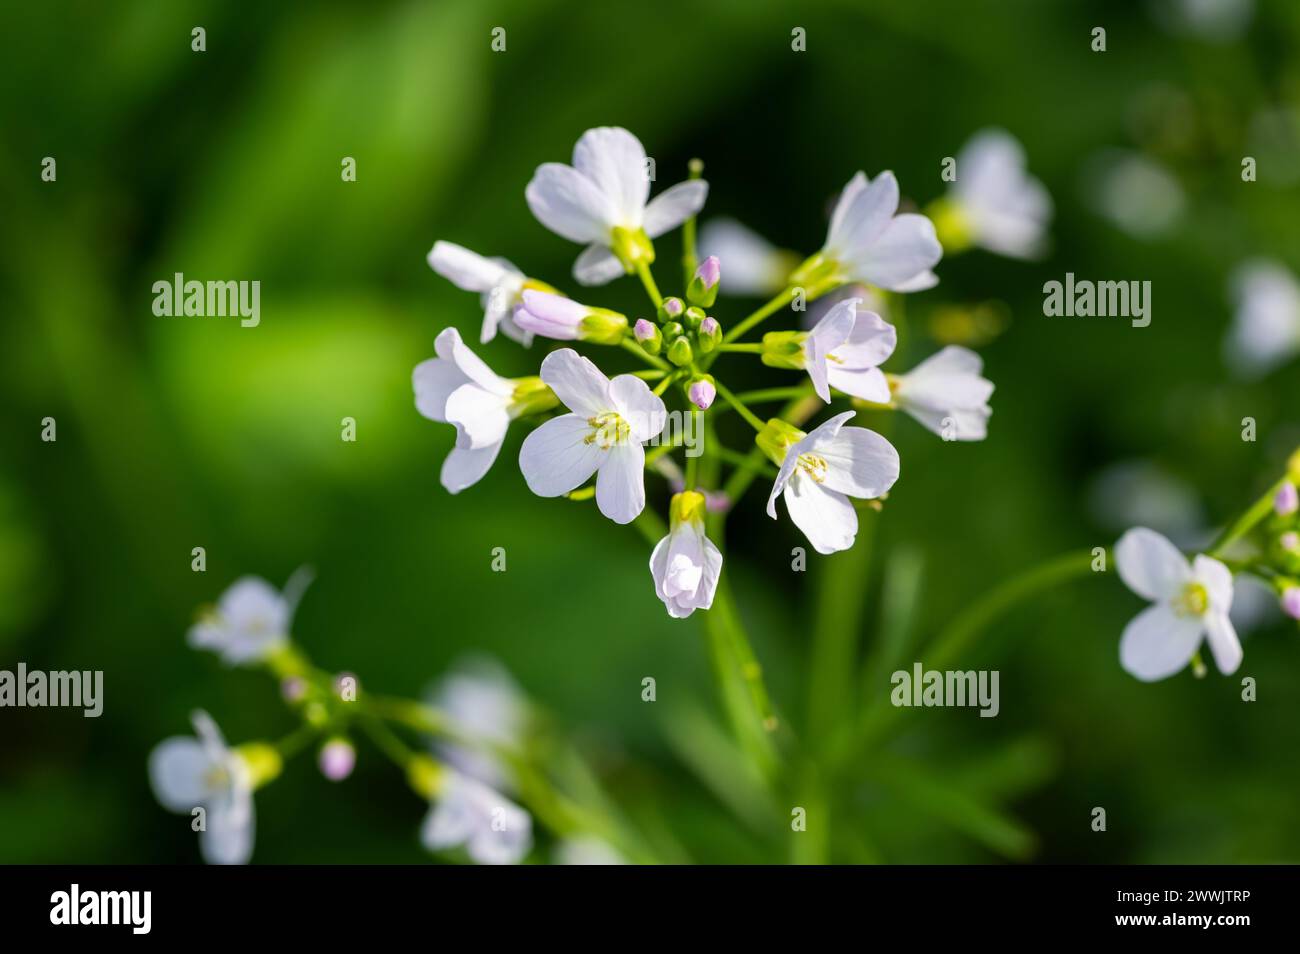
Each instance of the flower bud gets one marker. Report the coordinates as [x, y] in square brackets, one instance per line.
[337, 759]
[671, 309]
[293, 689]
[1291, 601]
[1289, 541]
[702, 392]
[784, 349]
[648, 336]
[694, 316]
[602, 326]
[710, 335]
[1286, 501]
[703, 290]
[673, 330]
[679, 352]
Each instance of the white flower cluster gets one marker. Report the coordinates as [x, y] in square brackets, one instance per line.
[603, 201]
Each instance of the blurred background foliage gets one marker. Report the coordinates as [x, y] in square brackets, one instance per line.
[176, 433]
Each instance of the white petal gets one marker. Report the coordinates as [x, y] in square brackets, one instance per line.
[674, 206]
[783, 476]
[860, 463]
[825, 432]
[620, 485]
[209, 736]
[178, 768]
[228, 838]
[1217, 580]
[466, 269]
[577, 382]
[643, 410]
[869, 384]
[870, 342]
[827, 335]
[926, 279]
[557, 458]
[905, 249]
[865, 216]
[570, 204]
[1150, 565]
[948, 380]
[450, 347]
[952, 424]
[615, 161]
[465, 467]
[481, 417]
[825, 516]
[1223, 641]
[597, 265]
[434, 380]
[1158, 643]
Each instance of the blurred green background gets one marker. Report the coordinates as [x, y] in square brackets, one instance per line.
[183, 432]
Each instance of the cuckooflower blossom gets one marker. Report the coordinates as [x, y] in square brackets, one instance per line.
[1287, 499]
[488, 710]
[1266, 325]
[251, 619]
[498, 282]
[203, 772]
[1189, 601]
[493, 829]
[601, 201]
[843, 350]
[820, 470]
[754, 265]
[337, 759]
[994, 202]
[685, 564]
[602, 436]
[554, 316]
[946, 393]
[870, 242]
[457, 388]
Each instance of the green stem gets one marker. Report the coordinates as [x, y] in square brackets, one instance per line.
[650, 374]
[1260, 509]
[387, 741]
[648, 280]
[740, 408]
[777, 303]
[690, 259]
[773, 394]
[692, 462]
[297, 740]
[741, 348]
[663, 385]
[742, 460]
[630, 345]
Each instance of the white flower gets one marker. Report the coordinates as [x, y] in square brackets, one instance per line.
[844, 351]
[497, 281]
[488, 710]
[601, 200]
[458, 388]
[1001, 206]
[587, 850]
[946, 393]
[251, 619]
[754, 266]
[1188, 601]
[555, 316]
[493, 829]
[1266, 327]
[869, 242]
[603, 435]
[685, 564]
[821, 470]
[189, 773]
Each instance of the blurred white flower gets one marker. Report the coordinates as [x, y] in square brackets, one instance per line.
[251, 619]
[188, 773]
[999, 205]
[754, 266]
[1265, 331]
[868, 241]
[457, 388]
[489, 710]
[563, 319]
[1134, 493]
[947, 394]
[602, 436]
[1189, 602]
[1133, 192]
[685, 564]
[820, 470]
[601, 201]
[587, 850]
[492, 829]
[1217, 21]
[498, 283]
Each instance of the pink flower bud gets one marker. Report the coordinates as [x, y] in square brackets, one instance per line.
[674, 306]
[1289, 541]
[709, 326]
[709, 272]
[337, 759]
[1286, 501]
[1291, 602]
[702, 393]
[293, 688]
[643, 330]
